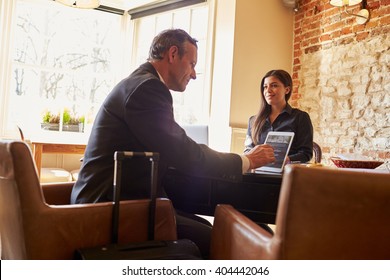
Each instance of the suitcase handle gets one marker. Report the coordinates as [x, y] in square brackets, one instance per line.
[119, 156]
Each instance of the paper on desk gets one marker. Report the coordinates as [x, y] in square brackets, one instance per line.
[353, 156]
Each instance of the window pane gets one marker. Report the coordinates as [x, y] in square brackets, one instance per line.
[163, 22]
[181, 19]
[145, 32]
[199, 22]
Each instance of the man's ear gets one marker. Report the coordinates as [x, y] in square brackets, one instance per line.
[172, 52]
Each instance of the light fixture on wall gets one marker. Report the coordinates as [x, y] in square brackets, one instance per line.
[361, 17]
[294, 4]
[82, 4]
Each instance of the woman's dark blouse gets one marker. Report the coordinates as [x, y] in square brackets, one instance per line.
[290, 120]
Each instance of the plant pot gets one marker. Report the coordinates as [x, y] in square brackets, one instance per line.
[73, 127]
[66, 127]
[50, 126]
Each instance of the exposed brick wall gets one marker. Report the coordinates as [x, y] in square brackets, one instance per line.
[341, 75]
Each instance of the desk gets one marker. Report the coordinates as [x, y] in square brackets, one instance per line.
[257, 196]
[40, 147]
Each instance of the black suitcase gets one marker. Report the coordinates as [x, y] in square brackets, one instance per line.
[182, 249]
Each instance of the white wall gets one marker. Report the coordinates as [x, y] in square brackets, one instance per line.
[251, 37]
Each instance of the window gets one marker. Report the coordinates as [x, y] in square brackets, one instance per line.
[192, 105]
[65, 61]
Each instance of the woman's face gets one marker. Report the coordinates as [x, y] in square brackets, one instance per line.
[274, 91]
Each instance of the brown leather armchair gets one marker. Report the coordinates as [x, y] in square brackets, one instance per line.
[317, 152]
[32, 228]
[323, 213]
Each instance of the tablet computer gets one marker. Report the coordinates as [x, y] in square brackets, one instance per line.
[281, 142]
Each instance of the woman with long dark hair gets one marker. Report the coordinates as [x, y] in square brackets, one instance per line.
[275, 114]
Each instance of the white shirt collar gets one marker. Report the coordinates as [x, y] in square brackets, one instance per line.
[161, 78]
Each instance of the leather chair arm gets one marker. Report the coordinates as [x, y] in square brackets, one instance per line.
[89, 225]
[235, 237]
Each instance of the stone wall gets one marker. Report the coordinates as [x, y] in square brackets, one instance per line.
[342, 79]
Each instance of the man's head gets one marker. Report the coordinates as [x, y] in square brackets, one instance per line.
[168, 38]
[174, 54]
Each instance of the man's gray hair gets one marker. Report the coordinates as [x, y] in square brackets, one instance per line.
[168, 38]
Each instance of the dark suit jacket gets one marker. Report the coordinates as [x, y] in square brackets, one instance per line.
[138, 116]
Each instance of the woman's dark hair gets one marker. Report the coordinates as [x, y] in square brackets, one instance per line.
[168, 38]
[265, 109]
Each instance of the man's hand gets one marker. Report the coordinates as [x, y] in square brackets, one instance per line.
[260, 155]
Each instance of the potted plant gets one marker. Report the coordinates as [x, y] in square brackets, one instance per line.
[70, 122]
[50, 121]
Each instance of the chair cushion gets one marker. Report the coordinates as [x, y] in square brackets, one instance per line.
[50, 175]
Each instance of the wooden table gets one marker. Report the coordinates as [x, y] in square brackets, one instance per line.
[40, 147]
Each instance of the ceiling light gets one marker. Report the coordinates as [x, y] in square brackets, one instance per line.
[82, 4]
[342, 3]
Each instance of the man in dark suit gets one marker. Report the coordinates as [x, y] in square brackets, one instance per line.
[138, 116]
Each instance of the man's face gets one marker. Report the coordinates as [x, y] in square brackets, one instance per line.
[182, 69]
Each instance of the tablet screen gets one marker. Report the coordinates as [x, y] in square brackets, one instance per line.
[281, 142]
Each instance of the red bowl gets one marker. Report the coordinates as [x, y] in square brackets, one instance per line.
[368, 164]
